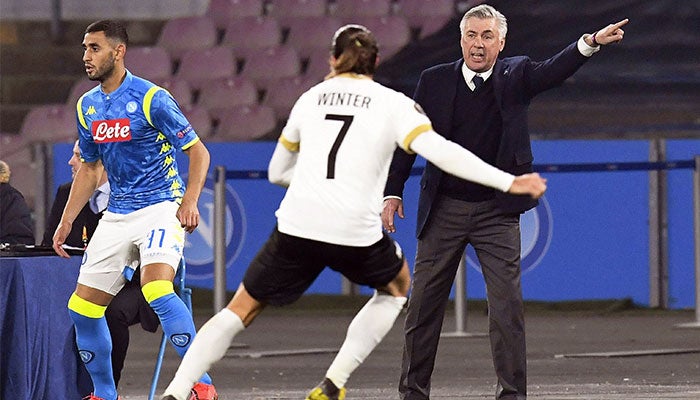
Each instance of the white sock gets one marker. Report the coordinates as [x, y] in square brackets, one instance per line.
[209, 346]
[366, 330]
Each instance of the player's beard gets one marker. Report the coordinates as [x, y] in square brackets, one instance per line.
[105, 72]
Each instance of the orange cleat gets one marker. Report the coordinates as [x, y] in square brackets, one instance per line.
[203, 391]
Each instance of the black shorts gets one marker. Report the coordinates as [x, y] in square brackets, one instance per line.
[287, 265]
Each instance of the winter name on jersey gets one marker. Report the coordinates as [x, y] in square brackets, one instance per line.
[344, 99]
[111, 130]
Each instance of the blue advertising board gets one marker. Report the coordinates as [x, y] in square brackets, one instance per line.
[588, 238]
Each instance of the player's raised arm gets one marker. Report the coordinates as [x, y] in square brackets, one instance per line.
[458, 161]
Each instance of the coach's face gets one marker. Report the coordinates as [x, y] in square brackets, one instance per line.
[100, 56]
[481, 42]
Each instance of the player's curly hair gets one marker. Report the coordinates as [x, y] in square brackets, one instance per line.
[355, 50]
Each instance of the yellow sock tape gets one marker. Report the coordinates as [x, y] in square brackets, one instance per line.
[85, 308]
[157, 289]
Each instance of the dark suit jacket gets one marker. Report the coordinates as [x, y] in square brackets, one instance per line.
[86, 218]
[16, 225]
[516, 80]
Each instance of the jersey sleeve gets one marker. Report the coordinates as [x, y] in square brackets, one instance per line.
[166, 116]
[291, 134]
[89, 151]
[410, 121]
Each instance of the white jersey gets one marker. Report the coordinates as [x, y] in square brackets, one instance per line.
[346, 130]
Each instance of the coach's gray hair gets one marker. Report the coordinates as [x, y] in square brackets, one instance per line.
[485, 11]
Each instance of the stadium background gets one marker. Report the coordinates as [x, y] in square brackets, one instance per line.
[636, 101]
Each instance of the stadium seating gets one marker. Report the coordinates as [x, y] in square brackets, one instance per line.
[199, 65]
[51, 123]
[361, 8]
[12, 144]
[309, 33]
[271, 63]
[200, 120]
[392, 32]
[79, 87]
[187, 33]
[180, 89]
[222, 12]
[149, 62]
[219, 95]
[297, 8]
[317, 66]
[245, 123]
[430, 25]
[282, 93]
[420, 12]
[252, 32]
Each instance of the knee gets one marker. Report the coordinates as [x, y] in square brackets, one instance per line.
[85, 308]
[154, 290]
[401, 283]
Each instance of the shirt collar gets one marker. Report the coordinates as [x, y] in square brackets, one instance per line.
[122, 88]
[469, 74]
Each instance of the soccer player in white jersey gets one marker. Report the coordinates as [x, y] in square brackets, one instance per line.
[131, 128]
[334, 156]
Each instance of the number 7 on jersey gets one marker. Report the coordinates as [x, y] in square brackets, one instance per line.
[347, 120]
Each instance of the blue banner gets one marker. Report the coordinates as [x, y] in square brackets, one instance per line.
[588, 238]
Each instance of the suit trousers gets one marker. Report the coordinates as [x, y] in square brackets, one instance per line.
[453, 224]
[127, 308]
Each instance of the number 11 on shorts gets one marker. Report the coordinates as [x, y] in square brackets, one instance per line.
[153, 235]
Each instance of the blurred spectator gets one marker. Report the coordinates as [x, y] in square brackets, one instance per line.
[15, 216]
[86, 222]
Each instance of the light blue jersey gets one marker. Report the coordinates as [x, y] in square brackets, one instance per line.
[135, 131]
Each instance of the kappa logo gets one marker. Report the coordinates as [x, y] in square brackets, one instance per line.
[111, 130]
[86, 356]
[180, 339]
[91, 110]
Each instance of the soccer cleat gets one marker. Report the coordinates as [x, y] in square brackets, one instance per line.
[93, 397]
[326, 390]
[203, 391]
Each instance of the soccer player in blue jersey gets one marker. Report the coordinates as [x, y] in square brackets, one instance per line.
[131, 128]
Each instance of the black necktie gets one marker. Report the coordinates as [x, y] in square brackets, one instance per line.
[477, 81]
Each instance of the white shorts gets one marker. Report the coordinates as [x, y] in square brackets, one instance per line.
[149, 235]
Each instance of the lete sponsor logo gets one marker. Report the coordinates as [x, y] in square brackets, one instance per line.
[111, 130]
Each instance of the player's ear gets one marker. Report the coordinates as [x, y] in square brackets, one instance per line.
[121, 51]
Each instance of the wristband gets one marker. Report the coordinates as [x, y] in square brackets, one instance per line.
[595, 43]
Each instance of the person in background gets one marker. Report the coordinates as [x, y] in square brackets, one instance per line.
[334, 155]
[128, 307]
[480, 103]
[16, 225]
[86, 221]
[131, 128]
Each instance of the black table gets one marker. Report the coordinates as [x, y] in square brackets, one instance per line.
[38, 355]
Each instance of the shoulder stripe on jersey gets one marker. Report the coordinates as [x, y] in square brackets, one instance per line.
[291, 146]
[414, 134]
[147, 99]
[81, 117]
[191, 143]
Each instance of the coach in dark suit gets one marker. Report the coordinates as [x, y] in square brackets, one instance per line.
[87, 219]
[481, 103]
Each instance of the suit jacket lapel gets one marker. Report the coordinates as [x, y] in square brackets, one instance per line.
[500, 72]
[450, 95]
